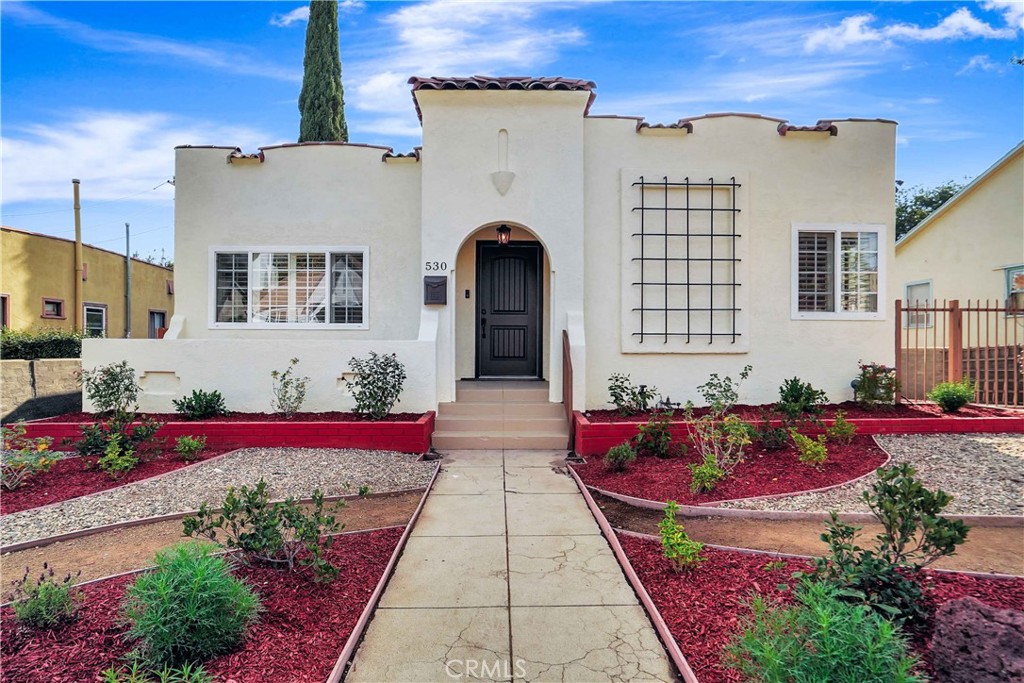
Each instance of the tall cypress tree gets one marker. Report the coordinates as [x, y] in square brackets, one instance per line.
[322, 100]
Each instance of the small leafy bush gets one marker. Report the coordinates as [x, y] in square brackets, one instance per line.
[914, 536]
[798, 398]
[654, 438]
[820, 638]
[720, 442]
[22, 458]
[841, 430]
[618, 457]
[289, 391]
[812, 451]
[952, 396]
[377, 384]
[189, 447]
[139, 437]
[771, 438]
[721, 393]
[44, 602]
[111, 388]
[189, 609]
[876, 385]
[43, 343]
[628, 398]
[704, 477]
[136, 673]
[201, 405]
[279, 534]
[118, 459]
[679, 549]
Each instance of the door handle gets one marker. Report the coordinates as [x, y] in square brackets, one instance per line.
[483, 328]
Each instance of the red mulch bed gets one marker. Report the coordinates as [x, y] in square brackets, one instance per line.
[762, 473]
[297, 639]
[853, 411]
[333, 416]
[79, 476]
[704, 608]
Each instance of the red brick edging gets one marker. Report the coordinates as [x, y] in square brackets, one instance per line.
[595, 438]
[405, 437]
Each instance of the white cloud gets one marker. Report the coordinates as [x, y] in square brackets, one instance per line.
[1012, 10]
[859, 30]
[287, 19]
[978, 63]
[115, 153]
[234, 60]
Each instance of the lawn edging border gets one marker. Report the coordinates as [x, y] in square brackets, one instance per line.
[356, 636]
[403, 436]
[595, 438]
[117, 526]
[671, 646]
[792, 556]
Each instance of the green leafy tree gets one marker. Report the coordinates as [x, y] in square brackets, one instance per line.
[322, 100]
[914, 204]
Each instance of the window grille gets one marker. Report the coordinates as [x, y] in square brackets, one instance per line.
[686, 260]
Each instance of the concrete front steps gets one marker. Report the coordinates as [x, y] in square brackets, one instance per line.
[501, 414]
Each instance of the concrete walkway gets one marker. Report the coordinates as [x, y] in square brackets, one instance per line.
[507, 577]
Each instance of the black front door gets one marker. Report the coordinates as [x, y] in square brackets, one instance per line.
[508, 321]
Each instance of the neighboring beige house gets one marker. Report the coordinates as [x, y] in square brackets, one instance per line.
[664, 251]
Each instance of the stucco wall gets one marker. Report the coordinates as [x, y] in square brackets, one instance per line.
[787, 180]
[964, 248]
[33, 389]
[36, 266]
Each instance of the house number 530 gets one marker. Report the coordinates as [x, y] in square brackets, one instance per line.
[435, 265]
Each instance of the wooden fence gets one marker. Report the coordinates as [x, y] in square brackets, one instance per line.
[946, 342]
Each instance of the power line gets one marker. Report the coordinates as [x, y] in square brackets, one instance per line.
[90, 202]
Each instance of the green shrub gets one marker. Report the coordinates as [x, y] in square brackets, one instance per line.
[119, 458]
[289, 392]
[112, 388]
[628, 398]
[271, 533]
[797, 398]
[201, 405]
[618, 457]
[654, 438]
[841, 430]
[22, 458]
[876, 385]
[141, 437]
[678, 548]
[820, 638]
[377, 384]
[188, 609]
[719, 441]
[186, 673]
[706, 475]
[771, 438]
[44, 602]
[721, 393]
[43, 343]
[812, 451]
[952, 396]
[189, 447]
[914, 535]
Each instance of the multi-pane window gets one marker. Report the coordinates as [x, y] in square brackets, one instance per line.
[294, 287]
[917, 304]
[1015, 289]
[95, 321]
[837, 271]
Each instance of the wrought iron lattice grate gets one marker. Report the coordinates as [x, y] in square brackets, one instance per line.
[686, 263]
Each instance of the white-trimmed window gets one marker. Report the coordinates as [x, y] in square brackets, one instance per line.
[917, 296]
[1015, 290]
[274, 287]
[838, 272]
[95, 320]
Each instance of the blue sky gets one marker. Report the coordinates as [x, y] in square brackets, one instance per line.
[103, 91]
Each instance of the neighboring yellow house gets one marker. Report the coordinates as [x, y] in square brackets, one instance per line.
[37, 288]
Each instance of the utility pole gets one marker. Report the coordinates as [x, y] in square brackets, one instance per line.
[79, 312]
[127, 282]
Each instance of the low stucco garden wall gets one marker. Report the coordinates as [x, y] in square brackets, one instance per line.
[32, 389]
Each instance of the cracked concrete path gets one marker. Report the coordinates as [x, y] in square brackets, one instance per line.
[506, 577]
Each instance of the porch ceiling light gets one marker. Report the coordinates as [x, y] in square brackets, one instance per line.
[504, 235]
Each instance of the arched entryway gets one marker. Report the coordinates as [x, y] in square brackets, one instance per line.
[503, 304]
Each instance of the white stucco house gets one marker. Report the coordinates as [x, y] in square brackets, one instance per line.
[665, 251]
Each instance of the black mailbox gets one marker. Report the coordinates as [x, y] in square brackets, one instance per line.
[435, 289]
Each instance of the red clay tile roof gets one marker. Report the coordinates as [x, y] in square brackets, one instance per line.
[680, 124]
[501, 83]
[819, 127]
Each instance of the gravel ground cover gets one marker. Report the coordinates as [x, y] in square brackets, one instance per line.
[288, 472]
[984, 473]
